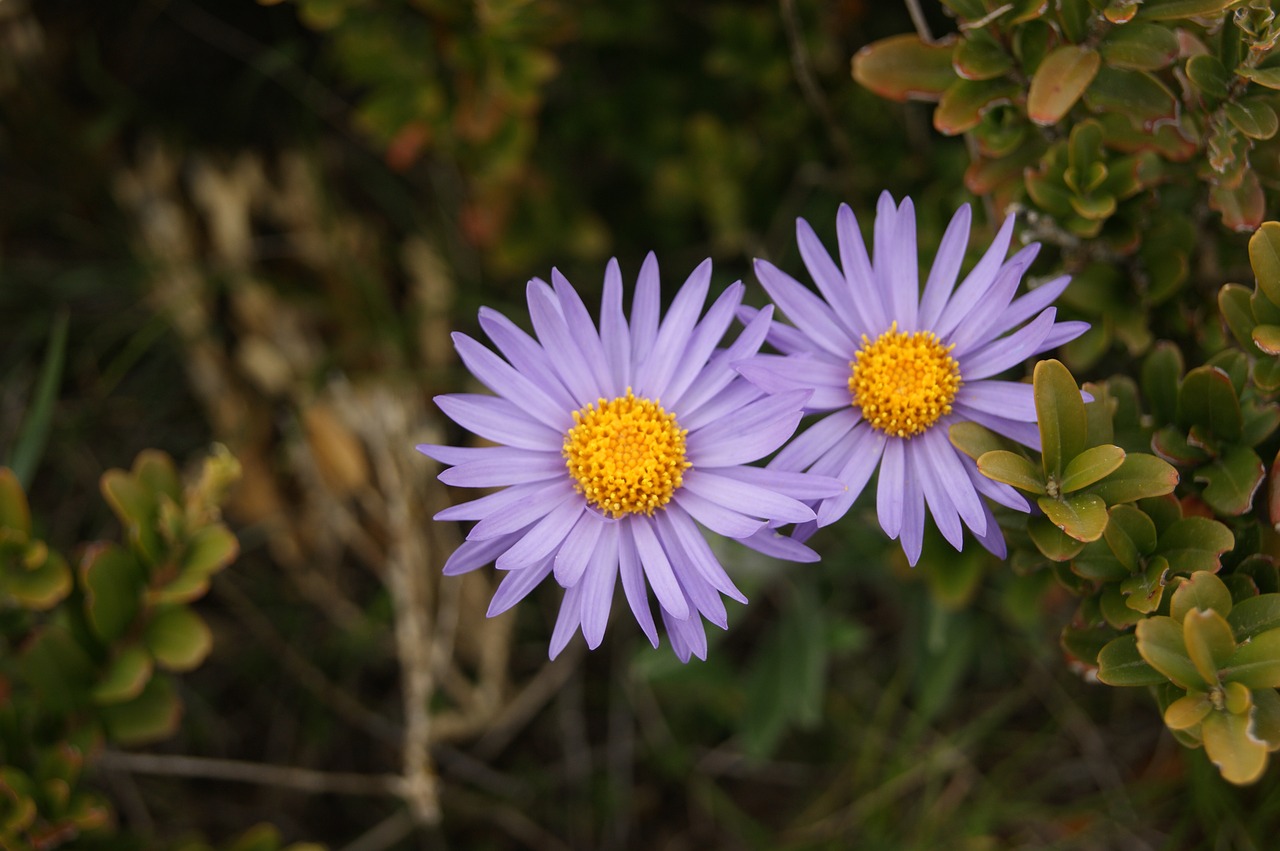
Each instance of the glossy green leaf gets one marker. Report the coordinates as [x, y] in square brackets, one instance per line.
[979, 56]
[131, 502]
[1209, 642]
[1187, 711]
[151, 716]
[1266, 338]
[1091, 466]
[962, 106]
[1207, 74]
[1136, 94]
[1135, 526]
[1086, 643]
[1233, 304]
[1139, 47]
[1063, 422]
[125, 677]
[1139, 476]
[1082, 516]
[1232, 481]
[1052, 542]
[155, 471]
[1171, 443]
[1266, 717]
[1169, 10]
[1161, 643]
[1195, 543]
[1060, 81]
[1012, 469]
[1256, 664]
[1255, 615]
[178, 638]
[1239, 756]
[1253, 117]
[1120, 664]
[1201, 590]
[1161, 375]
[113, 584]
[974, 440]
[1268, 77]
[903, 67]
[1207, 399]
[1143, 592]
[210, 549]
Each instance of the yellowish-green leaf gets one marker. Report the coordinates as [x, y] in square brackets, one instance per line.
[125, 678]
[1090, 466]
[1209, 642]
[1120, 664]
[1256, 663]
[1201, 590]
[1012, 469]
[1062, 77]
[1082, 516]
[903, 67]
[1239, 756]
[1160, 641]
[1063, 421]
[1187, 711]
[178, 638]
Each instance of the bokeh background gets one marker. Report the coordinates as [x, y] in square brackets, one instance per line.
[259, 223]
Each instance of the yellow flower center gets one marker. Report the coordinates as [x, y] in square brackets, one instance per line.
[902, 382]
[626, 455]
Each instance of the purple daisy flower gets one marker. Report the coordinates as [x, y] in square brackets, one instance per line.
[615, 445]
[891, 369]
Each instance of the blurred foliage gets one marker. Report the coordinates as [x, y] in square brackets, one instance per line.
[260, 222]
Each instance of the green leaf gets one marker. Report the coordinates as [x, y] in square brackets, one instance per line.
[1241, 204]
[1160, 642]
[1232, 480]
[1187, 711]
[210, 549]
[1012, 469]
[1120, 664]
[43, 586]
[1264, 256]
[1090, 466]
[1139, 47]
[1144, 591]
[1063, 422]
[149, 717]
[1161, 374]
[1082, 516]
[15, 514]
[1209, 642]
[980, 57]
[903, 67]
[1266, 717]
[1268, 77]
[34, 434]
[1207, 400]
[1254, 615]
[1201, 590]
[1059, 82]
[178, 638]
[1239, 756]
[1233, 304]
[974, 440]
[1052, 542]
[1266, 338]
[58, 670]
[1195, 543]
[1252, 117]
[112, 580]
[1136, 94]
[1208, 74]
[125, 677]
[1169, 10]
[963, 105]
[1139, 476]
[1256, 664]
[1086, 643]
[1136, 528]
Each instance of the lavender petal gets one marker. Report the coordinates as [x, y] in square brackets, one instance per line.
[633, 585]
[516, 585]
[657, 568]
[499, 421]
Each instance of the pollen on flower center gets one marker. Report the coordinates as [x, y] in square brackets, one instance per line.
[903, 383]
[626, 455]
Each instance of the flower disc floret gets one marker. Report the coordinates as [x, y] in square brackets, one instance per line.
[626, 455]
[903, 383]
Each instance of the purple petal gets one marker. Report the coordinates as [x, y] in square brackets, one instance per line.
[495, 504]
[544, 537]
[804, 486]
[726, 403]
[976, 283]
[687, 636]
[516, 585]
[998, 356]
[716, 517]
[697, 590]
[1063, 332]
[653, 373]
[598, 584]
[748, 499]
[498, 420]
[912, 534]
[784, 338]
[719, 371]
[858, 272]
[815, 441]
[568, 620]
[944, 463]
[633, 586]
[940, 506]
[903, 266]
[559, 344]
[998, 491]
[993, 540]
[500, 472]
[700, 555]
[946, 267]
[889, 491]
[614, 334]
[1027, 306]
[1014, 400]
[805, 310]
[645, 305]
[861, 462]
[758, 429]
[473, 554]
[1028, 434]
[454, 455]
[830, 281]
[511, 384]
[583, 329]
[510, 515]
[706, 336]
[780, 373]
[578, 548]
[518, 347]
[975, 329]
[657, 567]
[776, 545]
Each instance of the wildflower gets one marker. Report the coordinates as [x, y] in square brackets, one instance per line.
[891, 369]
[615, 445]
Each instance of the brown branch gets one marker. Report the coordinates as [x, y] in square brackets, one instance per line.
[259, 773]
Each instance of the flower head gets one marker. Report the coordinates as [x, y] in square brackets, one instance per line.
[615, 444]
[891, 369]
